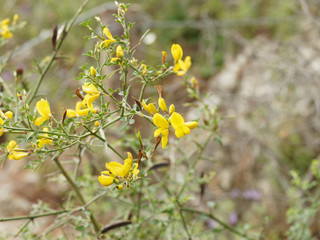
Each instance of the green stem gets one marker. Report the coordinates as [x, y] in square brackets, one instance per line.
[103, 140]
[53, 55]
[142, 91]
[77, 191]
[224, 225]
[185, 226]
[31, 217]
[203, 146]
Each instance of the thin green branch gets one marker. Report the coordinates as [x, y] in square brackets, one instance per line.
[65, 32]
[76, 190]
[31, 217]
[224, 225]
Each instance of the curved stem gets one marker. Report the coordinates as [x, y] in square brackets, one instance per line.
[77, 191]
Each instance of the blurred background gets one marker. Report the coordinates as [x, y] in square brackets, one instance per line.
[258, 61]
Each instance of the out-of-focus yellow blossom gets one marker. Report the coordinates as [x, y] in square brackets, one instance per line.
[181, 67]
[1, 128]
[143, 68]
[180, 126]
[176, 52]
[4, 29]
[15, 19]
[44, 140]
[150, 108]
[119, 54]
[43, 108]
[14, 154]
[47, 59]
[9, 114]
[162, 104]
[163, 128]
[120, 186]
[79, 111]
[116, 172]
[110, 39]
[92, 94]
[93, 71]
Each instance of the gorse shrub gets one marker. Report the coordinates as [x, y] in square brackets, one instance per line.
[148, 204]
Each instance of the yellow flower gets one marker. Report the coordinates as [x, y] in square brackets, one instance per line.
[92, 94]
[43, 108]
[119, 53]
[110, 39]
[163, 128]
[96, 123]
[176, 52]
[5, 30]
[14, 154]
[181, 127]
[9, 114]
[183, 66]
[1, 129]
[44, 140]
[118, 169]
[150, 108]
[143, 68]
[79, 111]
[162, 104]
[105, 180]
[116, 172]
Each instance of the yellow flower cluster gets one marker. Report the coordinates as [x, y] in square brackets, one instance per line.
[7, 115]
[86, 106]
[5, 28]
[120, 174]
[181, 66]
[14, 152]
[174, 119]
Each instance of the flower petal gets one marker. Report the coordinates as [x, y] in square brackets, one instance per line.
[115, 168]
[164, 141]
[177, 120]
[179, 133]
[160, 121]
[40, 120]
[192, 124]
[105, 180]
[176, 52]
[157, 132]
[17, 155]
[43, 108]
[12, 145]
[107, 32]
[90, 89]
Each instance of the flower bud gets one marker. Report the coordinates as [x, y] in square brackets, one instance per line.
[93, 71]
[172, 109]
[162, 104]
[96, 123]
